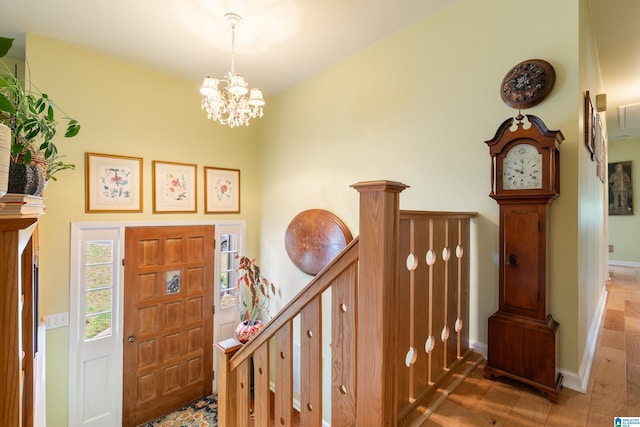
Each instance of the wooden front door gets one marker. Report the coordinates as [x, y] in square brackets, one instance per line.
[168, 309]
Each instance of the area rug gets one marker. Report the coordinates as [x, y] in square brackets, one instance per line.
[203, 413]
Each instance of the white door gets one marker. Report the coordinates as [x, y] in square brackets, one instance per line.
[229, 244]
[95, 359]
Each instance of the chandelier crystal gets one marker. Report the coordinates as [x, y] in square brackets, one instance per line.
[226, 100]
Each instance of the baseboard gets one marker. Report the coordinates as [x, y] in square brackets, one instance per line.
[624, 263]
[479, 347]
[579, 381]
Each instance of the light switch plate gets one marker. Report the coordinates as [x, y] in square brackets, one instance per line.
[57, 320]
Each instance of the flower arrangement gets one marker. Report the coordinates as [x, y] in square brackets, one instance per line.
[253, 290]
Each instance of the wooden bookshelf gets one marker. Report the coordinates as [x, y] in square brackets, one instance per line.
[18, 249]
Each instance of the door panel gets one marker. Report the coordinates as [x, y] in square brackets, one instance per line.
[168, 307]
[95, 341]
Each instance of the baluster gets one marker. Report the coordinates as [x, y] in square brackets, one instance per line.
[311, 364]
[243, 392]
[283, 405]
[343, 349]
[261, 391]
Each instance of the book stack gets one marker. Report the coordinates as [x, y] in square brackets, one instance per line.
[21, 205]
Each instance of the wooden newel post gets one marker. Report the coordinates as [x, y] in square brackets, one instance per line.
[377, 303]
[227, 383]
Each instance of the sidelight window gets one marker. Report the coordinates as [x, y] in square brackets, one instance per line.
[98, 278]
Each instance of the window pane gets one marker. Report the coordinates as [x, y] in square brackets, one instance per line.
[228, 251]
[224, 242]
[98, 276]
[224, 261]
[172, 280]
[97, 326]
[98, 301]
[99, 251]
[98, 279]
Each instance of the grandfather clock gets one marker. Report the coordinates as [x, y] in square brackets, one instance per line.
[525, 178]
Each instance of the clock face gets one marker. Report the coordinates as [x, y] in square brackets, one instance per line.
[522, 168]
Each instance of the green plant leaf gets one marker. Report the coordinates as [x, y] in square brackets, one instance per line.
[27, 157]
[72, 129]
[16, 149]
[5, 46]
[4, 81]
[6, 105]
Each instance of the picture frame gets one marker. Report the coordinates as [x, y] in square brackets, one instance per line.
[174, 187]
[589, 125]
[620, 188]
[222, 190]
[113, 183]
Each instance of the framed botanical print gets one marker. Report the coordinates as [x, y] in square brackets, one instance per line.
[620, 188]
[222, 190]
[174, 187]
[113, 183]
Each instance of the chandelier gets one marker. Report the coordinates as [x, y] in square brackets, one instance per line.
[226, 100]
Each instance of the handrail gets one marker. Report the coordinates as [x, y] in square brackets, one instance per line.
[405, 214]
[319, 283]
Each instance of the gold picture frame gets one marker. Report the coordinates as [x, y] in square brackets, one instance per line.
[113, 183]
[174, 187]
[222, 190]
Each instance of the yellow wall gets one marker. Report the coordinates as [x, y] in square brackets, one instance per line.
[417, 108]
[624, 231]
[129, 111]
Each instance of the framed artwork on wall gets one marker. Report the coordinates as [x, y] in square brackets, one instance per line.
[174, 187]
[589, 125]
[620, 188]
[222, 190]
[113, 183]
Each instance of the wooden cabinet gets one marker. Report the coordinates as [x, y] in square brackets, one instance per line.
[18, 309]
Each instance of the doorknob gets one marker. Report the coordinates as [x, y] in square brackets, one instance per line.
[511, 260]
[131, 338]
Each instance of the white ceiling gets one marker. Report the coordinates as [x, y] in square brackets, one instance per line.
[281, 42]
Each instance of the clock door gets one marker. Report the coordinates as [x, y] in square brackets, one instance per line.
[524, 260]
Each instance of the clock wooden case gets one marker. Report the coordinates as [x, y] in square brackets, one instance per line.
[525, 178]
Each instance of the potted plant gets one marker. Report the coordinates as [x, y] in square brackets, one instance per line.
[31, 117]
[254, 292]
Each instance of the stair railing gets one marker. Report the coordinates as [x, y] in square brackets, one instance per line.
[378, 287]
